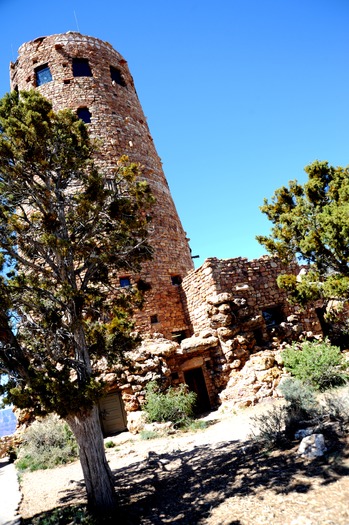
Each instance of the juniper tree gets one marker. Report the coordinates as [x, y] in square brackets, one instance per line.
[66, 230]
[311, 223]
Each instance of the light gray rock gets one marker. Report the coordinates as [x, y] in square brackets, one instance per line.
[220, 298]
[312, 446]
[198, 343]
[304, 432]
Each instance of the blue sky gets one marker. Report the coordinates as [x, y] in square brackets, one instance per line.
[240, 95]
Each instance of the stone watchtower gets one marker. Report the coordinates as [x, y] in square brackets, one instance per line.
[88, 76]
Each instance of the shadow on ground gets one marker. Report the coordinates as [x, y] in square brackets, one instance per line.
[183, 487]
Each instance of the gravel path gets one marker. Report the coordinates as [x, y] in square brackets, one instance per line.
[9, 493]
[211, 477]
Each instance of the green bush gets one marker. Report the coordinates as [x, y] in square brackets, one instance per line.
[301, 407]
[70, 515]
[317, 364]
[109, 444]
[336, 407]
[300, 397]
[176, 404]
[146, 435]
[46, 444]
[269, 429]
[195, 425]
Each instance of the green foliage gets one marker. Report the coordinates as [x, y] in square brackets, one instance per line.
[269, 429]
[299, 396]
[194, 425]
[64, 516]
[336, 406]
[311, 222]
[176, 404]
[276, 428]
[301, 405]
[109, 444]
[146, 435]
[67, 230]
[46, 444]
[318, 364]
[303, 408]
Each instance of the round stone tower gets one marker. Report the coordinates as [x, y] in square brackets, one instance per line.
[88, 76]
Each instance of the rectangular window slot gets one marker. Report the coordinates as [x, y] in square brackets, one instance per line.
[176, 280]
[125, 282]
[81, 67]
[273, 315]
[116, 76]
[84, 114]
[43, 75]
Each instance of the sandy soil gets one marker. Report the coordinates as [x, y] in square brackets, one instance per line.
[211, 477]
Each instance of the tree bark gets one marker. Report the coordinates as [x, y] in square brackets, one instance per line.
[97, 474]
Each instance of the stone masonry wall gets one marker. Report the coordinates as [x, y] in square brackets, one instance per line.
[253, 282]
[119, 125]
[241, 321]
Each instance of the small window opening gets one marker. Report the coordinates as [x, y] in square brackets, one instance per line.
[143, 286]
[258, 335]
[84, 114]
[116, 76]
[179, 335]
[81, 67]
[42, 75]
[125, 282]
[154, 319]
[272, 316]
[176, 280]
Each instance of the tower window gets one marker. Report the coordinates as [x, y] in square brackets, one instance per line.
[81, 67]
[154, 319]
[116, 76]
[125, 282]
[84, 114]
[176, 280]
[42, 75]
[272, 316]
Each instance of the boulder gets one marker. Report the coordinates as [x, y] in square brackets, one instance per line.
[224, 333]
[197, 343]
[263, 361]
[220, 298]
[221, 319]
[312, 446]
[136, 421]
[160, 428]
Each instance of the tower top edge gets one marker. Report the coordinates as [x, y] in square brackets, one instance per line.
[65, 38]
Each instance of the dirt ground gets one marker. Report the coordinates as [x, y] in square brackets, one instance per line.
[211, 477]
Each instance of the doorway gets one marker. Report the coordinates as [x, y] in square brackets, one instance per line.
[112, 414]
[195, 380]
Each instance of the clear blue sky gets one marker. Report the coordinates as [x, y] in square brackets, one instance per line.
[240, 95]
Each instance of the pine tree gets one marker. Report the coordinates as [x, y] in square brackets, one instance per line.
[311, 223]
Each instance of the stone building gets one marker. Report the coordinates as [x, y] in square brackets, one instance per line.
[218, 328]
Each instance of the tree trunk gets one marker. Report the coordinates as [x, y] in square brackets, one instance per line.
[97, 474]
